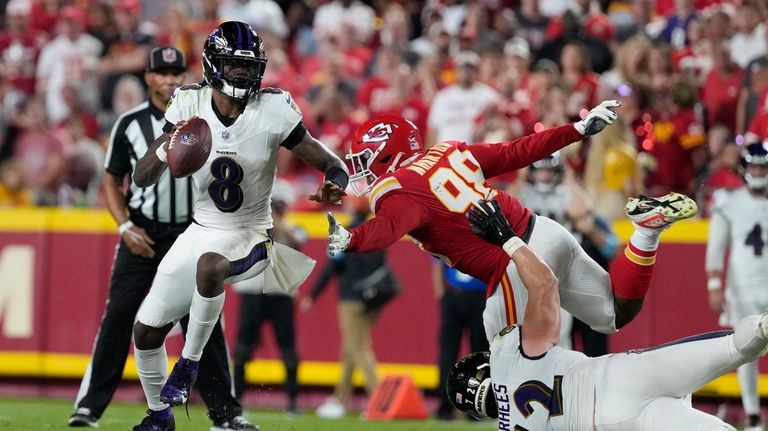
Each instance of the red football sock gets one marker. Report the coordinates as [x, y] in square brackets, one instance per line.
[631, 272]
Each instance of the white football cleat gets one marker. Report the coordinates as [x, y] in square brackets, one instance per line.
[331, 409]
[659, 213]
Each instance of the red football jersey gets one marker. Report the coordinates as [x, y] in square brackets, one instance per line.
[428, 200]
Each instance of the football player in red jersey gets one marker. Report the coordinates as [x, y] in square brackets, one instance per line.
[426, 194]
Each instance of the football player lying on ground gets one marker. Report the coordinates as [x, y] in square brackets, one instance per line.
[530, 384]
[425, 194]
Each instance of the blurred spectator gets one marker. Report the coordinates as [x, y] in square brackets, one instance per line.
[512, 116]
[612, 173]
[576, 72]
[396, 32]
[719, 26]
[554, 8]
[678, 148]
[631, 66]
[101, 23]
[389, 90]
[12, 190]
[724, 167]
[532, 24]
[126, 52]
[333, 124]
[337, 16]
[595, 23]
[357, 273]
[435, 42]
[599, 56]
[262, 15]
[378, 94]
[330, 79]
[660, 68]
[78, 111]
[281, 73]
[20, 45]
[554, 107]
[128, 93]
[462, 301]
[83, 171]
[454, 108]
[454, 14]
[46, 14]
[694, 59]
[257, 308]
[749, 41]
[674, 32]
[176, 31]
[70, 58]
[720, 93]
[753, 89]
[41, 156]
[198, 30]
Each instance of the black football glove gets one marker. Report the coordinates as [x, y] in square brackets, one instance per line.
[488, 221]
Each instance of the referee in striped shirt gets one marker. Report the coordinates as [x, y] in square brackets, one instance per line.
[150, 219]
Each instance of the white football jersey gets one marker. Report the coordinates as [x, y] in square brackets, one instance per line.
[553, 204]
[747, 218]
[554, 391]
[235, 184]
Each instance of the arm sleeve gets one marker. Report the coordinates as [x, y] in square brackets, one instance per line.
[295, 136]
[390, 224]
[718, 241]
[118, 160]
[497, 159]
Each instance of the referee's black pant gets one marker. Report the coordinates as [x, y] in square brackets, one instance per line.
[460, 309]
[254, 310]
[131, 280]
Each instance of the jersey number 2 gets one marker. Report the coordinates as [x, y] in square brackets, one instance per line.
[460, 185]
[755, 239]
[225, 189]
[535, 391]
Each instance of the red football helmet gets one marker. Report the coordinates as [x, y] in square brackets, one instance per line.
[381, 145]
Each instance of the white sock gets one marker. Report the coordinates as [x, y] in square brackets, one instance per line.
[645, 239]
[152, 366]
[203, 315]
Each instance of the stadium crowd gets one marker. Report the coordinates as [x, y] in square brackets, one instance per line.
[691, 76]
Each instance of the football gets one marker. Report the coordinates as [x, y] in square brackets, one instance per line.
[189, 148]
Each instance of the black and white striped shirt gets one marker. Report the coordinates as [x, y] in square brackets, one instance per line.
[169, 200]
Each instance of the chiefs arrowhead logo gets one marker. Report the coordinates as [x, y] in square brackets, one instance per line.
[378, 133]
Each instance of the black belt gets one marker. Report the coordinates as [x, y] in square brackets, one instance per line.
[145, 222]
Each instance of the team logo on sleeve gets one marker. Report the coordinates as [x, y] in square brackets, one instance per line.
[292, 102]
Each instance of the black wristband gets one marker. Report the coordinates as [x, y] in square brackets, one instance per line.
[338, 176]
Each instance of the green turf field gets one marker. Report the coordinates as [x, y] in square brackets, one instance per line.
[35, 414]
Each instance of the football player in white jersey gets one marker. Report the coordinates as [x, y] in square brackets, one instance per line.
[550, 192]
[529, 384]
[229, 239]
[739, 222]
